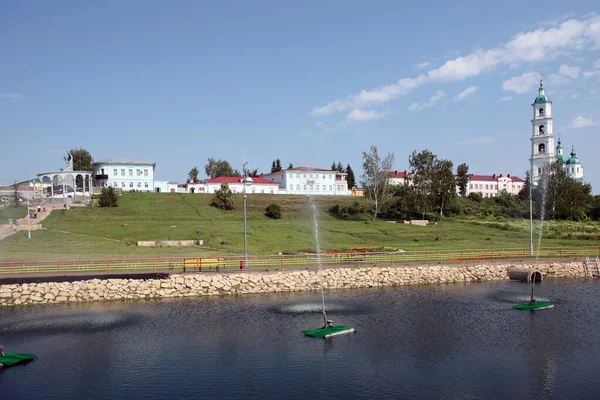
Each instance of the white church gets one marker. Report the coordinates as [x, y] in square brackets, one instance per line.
[542, 142]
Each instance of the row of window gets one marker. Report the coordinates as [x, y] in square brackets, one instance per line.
[311, 175]
[138, 171]
[124, 184]
[476, 186]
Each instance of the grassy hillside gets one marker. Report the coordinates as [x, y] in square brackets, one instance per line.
[91, 233]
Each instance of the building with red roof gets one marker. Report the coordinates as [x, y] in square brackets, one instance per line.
[311, 181]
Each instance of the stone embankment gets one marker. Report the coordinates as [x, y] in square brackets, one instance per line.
[215, 284]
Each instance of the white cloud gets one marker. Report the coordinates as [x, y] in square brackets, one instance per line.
[358, 115]
[422, 65]
[591, 74]
[465, 93]
[524, 83]
[538, 45]
[433, 100]
[506, 98]
[571, 72]
[304, 134]
[10, 97]
[556, 80]
[581, 122]
[597, 64]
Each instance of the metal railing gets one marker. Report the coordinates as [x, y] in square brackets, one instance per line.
[281, 261]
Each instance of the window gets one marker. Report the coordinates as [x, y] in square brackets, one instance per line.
[541, 148]
[330, 188]
[145, 172]
[297, 175]
[130, 172]
[271, 191]
[539, 171]
[298, 187]
[115, 184]
[304, 175]
[115, 172]
[123, 184]
[139, 172]
[122, 171]
[541, 111]
[317, 188]
[262, 190]
[310, 187]
[323, 187]
[139, 184]
[253, 190]
[130, 184]
[541, 129]
[324, 177]
[305, 188]
[470, 186]
[486, 187]
[145, 184]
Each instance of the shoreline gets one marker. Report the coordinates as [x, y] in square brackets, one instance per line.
[241, 283]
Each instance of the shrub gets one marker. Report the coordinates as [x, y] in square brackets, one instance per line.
[475, 196]
[273, 211]
[108, 197]
[346, 212]
[223, 198]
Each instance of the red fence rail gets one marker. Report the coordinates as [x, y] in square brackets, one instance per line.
[280, 261]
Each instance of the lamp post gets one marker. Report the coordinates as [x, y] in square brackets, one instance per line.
[245, 181]
[28, 221]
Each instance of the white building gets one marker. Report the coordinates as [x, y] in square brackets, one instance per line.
[542, 142]
[126, 174]
[307, 180]
[258, 185]
[493, 185]
[487, 185]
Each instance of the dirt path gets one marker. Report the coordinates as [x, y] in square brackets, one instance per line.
[7, 230]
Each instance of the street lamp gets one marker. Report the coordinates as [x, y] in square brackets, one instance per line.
[245, 181]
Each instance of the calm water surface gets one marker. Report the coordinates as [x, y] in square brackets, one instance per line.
[456, 341]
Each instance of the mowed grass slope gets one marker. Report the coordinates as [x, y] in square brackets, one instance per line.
[99, 233]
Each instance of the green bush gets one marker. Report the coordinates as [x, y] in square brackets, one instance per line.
[223, 198]
[108, 197]
[273, 211]
[346, 212]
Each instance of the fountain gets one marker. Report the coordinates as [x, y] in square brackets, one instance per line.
[533, 304]
[328, 329]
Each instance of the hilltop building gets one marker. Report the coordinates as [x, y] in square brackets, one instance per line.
[487, 185]
[542, 142]
[127, 174]
[308, 180]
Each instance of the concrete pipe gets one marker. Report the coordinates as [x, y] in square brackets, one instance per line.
[524, 274]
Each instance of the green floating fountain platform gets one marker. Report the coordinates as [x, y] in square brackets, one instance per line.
[10, 359]
[324, 333]
[537, 305]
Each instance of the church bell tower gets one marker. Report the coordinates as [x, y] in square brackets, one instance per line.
[542, 137]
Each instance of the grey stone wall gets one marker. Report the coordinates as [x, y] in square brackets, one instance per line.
[215, 284]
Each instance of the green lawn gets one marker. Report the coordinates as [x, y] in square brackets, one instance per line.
[96, 233]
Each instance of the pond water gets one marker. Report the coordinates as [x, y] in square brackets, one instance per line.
[455, 341]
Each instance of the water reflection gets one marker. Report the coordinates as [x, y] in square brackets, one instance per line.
[446, 341]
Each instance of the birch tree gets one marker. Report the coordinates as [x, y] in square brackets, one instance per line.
[376, 179]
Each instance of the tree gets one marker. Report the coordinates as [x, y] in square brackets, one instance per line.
[290, 166]
[524, 192]
[462, 178]
[443, 184]
[193, 175]
[337, 167]
[223, 198]
[15, 198]
[376, 179]
[273, 211]
[82, 161]
[216, 168]
[108, 197]
[422, 165]
[351, 179]
[333, 166]
[252, 172]
[276, 166]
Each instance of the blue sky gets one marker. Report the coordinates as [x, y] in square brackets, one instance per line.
[307, 82]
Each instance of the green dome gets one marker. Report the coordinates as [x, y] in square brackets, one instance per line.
[542, 98]
[573, 160]
[562, 158]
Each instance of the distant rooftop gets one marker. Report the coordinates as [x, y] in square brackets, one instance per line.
[124, 161]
